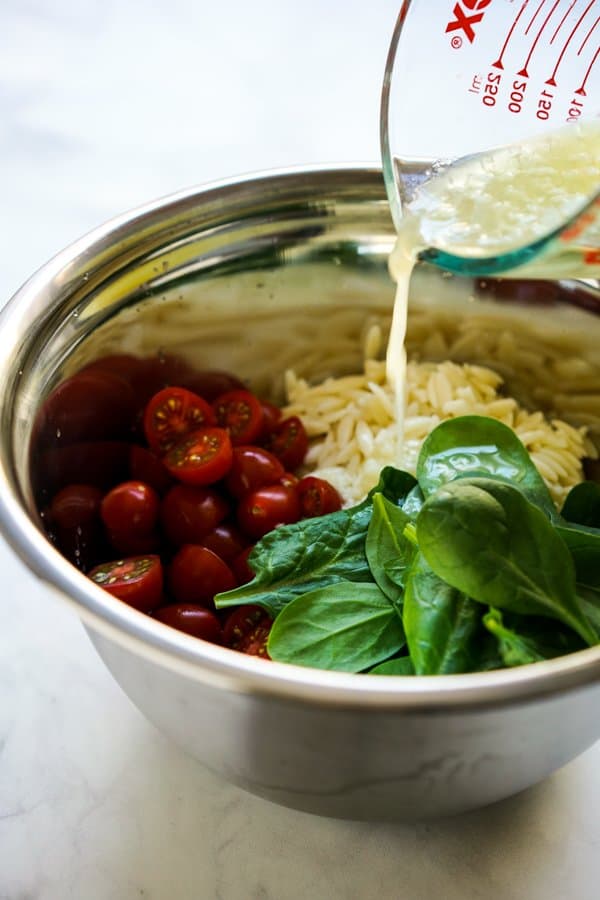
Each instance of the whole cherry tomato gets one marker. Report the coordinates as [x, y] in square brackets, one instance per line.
[289, 442]
[191, 619]
[241, 413]
[197, 574]
[251, 468]
[89, 406]
[271, 417]
[130, 507]
[211, 383]
[172, 414]
[317, 496]
[247, 630]
[144, 465]
[226, 541]
[203, 457]
[138, 580]
[263, 510]
[99, 463]
[241, 567]
[189, 513]
[76, 505]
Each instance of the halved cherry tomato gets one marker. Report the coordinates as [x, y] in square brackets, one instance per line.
[144, 465]
[191, 619]
[251, 468]
[203, 457]
[247, 630]
[197, 574]
[189, 513]
[137, 580]
[289, 442]
[130, 507]
[241, 413]
[317, 496]
[263, 510]
[172, 414]
[226, 541]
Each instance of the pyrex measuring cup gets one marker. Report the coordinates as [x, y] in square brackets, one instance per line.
[467, 76]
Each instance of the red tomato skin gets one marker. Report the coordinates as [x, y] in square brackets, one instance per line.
[133, 543]
[263, 510]
[272, 415]
[143, 592]
[289, 442]
[191, 619]
[247, 629]
[211, 383]
[241, 567]
[226, 540]
[76, 505]
[130, 507]
[190, 513]
[99, 463]
[317, 497]
[252, 468]
[197, 574]
[89, 406]
[144, 465]
[202, 458]
[241, 414]
[171, 415]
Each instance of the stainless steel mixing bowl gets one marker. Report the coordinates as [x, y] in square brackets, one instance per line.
[256, 275]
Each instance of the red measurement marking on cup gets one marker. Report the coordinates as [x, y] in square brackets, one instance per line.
[534, 16]
[562, 21]
[524, 72]
[588, 36]
[552, 80]
[499, 64]
[581, 90]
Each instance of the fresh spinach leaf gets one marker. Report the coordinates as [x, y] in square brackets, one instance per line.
[523, 640]
[442, 625]
[346, 627]
[295, 559]
[486, 539]
[402, 665]
[412, 503]
[589, 598]
[394, 484]
[582, 505]
[584, 545]
[389, 553]
[475, 446]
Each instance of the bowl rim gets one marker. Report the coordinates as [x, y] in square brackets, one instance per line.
[107, 617]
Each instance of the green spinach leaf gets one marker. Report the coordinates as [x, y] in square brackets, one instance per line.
[402, 665]
[523, 640]
[346, 627]
[412, 503]
[486, 539]
[582, 505]
[442, 625]
[584, 544]
[295, 559]
[589, 598]
[389, 553]
[394, 484]
[471, 446]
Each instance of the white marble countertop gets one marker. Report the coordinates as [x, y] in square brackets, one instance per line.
[103, 105]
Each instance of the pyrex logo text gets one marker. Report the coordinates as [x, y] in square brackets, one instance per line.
[465, 18]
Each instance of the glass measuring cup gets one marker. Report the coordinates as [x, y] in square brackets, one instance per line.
[463, 78]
